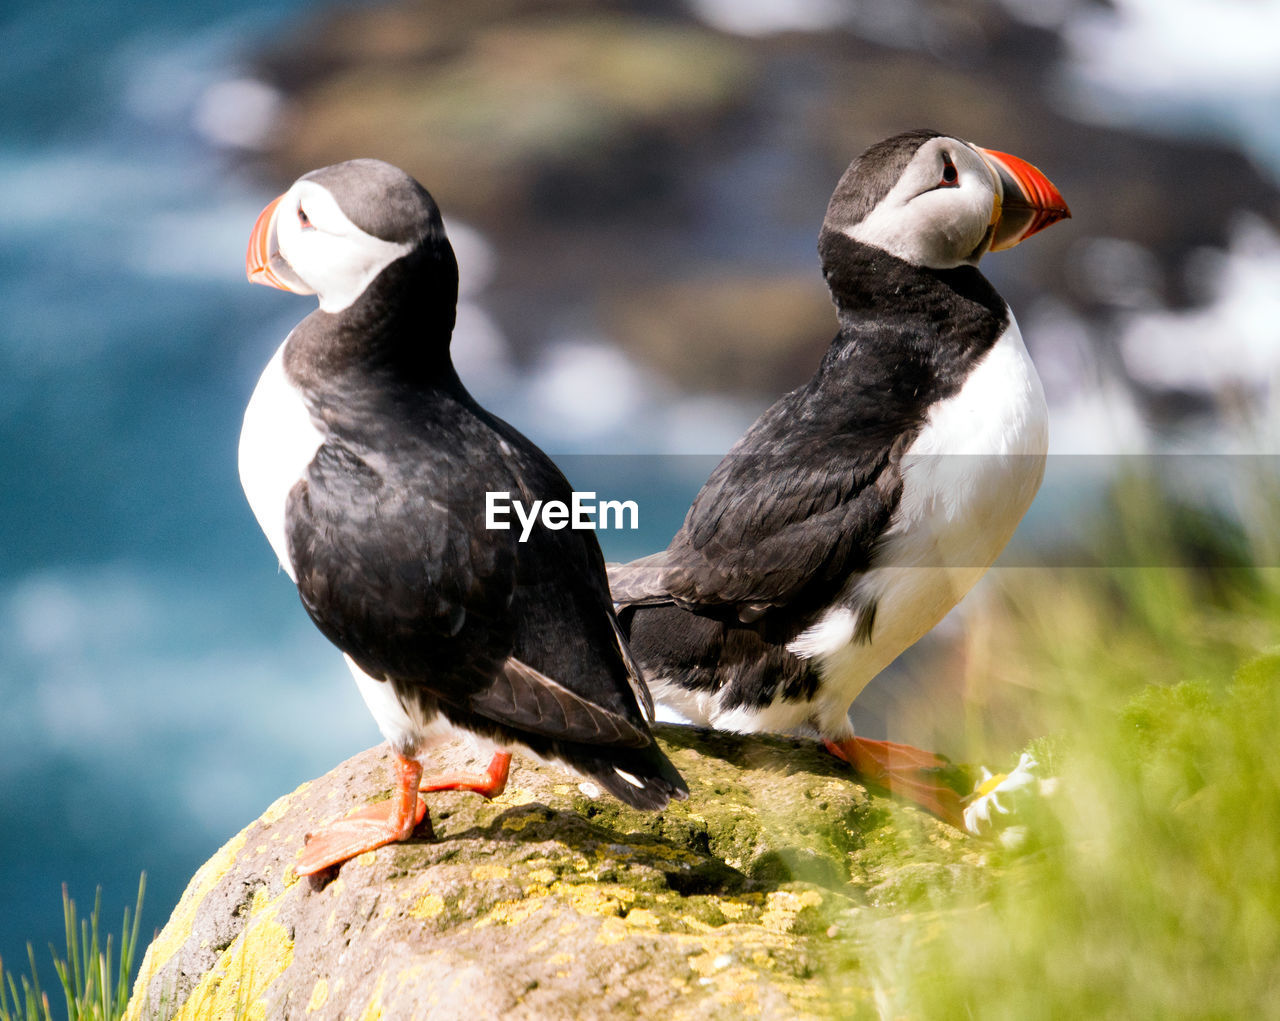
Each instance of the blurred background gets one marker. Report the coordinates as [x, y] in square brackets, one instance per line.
[634, 189]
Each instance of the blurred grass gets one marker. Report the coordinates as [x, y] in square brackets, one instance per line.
[1150, 886]
[95, 986]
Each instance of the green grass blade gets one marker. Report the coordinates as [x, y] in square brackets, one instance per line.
[128, 945]
[94, 986]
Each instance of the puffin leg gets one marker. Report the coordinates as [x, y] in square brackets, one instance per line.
[489, 784]
[382, 823]
[904, 771]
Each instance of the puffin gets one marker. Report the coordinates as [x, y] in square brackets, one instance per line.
[863, 505]
[367, 463]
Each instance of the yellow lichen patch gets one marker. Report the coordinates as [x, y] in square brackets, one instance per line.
[763, 959]
[519, 822]
[514, 797]
[543, 876]
[280, 807]
[485, 873]
[319, 994]
[667, 853]
[178, 928]
[733, 909]
[236, 983]
[783, 906]
[612, 930]
[593, 899]
[510, 912]
[556, 959]
[429, 905]
[642, 918]
[373, 1012]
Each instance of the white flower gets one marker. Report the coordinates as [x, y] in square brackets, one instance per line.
[996, 797]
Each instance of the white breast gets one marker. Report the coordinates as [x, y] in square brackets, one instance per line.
[975, 467]
[968, 479]
[277, 442]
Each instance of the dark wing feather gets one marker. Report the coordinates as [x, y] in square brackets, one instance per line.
[523, 697]
[388, 571]
[797, 506]
[635, 675]
[640, 582]
[397, 568]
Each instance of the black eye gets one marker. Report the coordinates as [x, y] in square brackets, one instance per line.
[303, 219]
[949, 173]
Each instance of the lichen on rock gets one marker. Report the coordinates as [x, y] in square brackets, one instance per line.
[554, 900]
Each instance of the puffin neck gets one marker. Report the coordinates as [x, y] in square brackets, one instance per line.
[864, 277]
[400, 326]
[874, 291]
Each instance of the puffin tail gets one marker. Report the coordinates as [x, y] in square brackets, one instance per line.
[643, 778]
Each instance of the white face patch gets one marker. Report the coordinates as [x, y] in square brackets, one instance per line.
[331, 255]
[928, 221]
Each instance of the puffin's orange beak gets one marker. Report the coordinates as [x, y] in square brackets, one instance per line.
[263, 263]
[1030, 203]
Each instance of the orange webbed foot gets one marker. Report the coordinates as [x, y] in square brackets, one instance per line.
[905, 771]
[489, 784]
[385, 822]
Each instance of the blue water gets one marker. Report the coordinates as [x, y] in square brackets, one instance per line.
[156, 680]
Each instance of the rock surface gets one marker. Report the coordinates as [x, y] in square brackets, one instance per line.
[556, 901]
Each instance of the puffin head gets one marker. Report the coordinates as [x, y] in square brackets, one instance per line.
[337, 228]
[940, 202]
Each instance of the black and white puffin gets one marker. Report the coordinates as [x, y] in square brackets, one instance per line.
[367, 462]
[863, 505]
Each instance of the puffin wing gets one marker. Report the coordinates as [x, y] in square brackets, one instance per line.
[389, 567]
[526, 698]
[640, 582]
[395, 565]
[787, 516]
[567, 632]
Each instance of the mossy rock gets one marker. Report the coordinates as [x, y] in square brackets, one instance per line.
[556, 901]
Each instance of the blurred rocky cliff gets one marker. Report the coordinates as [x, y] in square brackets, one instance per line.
[648, 176]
